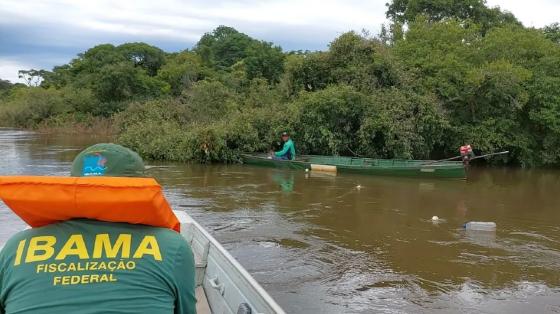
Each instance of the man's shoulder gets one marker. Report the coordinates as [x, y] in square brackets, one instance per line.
[95, 226]
[16, 238]
[10, 247]
[162, 233]
[165, 236]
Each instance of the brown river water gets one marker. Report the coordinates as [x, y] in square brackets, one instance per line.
[320, 243]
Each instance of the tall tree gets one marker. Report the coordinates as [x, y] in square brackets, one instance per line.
[143, 55]
[405, 11]
[32, 78]
[223, 47]
[264, 60]
[5, 84]
[552, 32]
[181, 70]
[114, 73]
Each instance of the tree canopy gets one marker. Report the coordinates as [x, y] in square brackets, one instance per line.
[477, 11]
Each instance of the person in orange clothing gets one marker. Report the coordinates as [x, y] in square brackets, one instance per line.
[95, 266]
[466, 154]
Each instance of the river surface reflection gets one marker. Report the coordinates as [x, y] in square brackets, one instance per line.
[321, 243]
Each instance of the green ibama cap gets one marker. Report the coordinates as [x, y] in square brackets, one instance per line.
[109, 160]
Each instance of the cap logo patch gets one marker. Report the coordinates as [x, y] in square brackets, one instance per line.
[94, 165]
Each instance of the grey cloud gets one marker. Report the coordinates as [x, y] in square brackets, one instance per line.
[47, 33]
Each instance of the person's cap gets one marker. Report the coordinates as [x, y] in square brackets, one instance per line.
[109, 160]
[285, 134]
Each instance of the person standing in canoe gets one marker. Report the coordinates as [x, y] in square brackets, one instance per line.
[96, 265]
[466, 154]
[288, 151]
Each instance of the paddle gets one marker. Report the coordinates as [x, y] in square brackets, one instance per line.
[447, 159]
[477, 157]
[492, 154]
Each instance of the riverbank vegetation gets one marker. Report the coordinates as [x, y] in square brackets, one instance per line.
[440, 74]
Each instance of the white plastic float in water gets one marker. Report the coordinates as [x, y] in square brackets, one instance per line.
[480, 226]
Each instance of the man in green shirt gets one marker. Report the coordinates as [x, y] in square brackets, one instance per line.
[288, 151]
[90, 266]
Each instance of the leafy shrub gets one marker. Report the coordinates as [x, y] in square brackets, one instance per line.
[163, 130]
[327, 122]
[401, 124]
[27, 107]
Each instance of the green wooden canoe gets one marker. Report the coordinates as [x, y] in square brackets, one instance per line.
[368, 166]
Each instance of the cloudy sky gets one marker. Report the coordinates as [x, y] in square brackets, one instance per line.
[44, 33]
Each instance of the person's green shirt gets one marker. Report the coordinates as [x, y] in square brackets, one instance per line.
[288, 151]
[86, 266]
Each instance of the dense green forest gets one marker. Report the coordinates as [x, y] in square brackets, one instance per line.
[440, 74]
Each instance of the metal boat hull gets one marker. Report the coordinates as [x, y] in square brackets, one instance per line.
[222, 283]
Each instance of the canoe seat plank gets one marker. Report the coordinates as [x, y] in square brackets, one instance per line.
[202, 306]
[200, 267]
[199, 261]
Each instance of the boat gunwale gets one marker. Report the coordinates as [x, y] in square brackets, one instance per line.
[409, 163]
[185, 218]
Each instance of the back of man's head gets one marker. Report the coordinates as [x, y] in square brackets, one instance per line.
[110, 160]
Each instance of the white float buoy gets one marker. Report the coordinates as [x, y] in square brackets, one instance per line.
[306, 170]
[359, 187]
[435, 218]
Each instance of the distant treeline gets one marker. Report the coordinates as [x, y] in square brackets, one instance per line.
[440, 74]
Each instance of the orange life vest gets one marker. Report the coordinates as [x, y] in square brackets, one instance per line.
[465, 150]
[41, 201]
